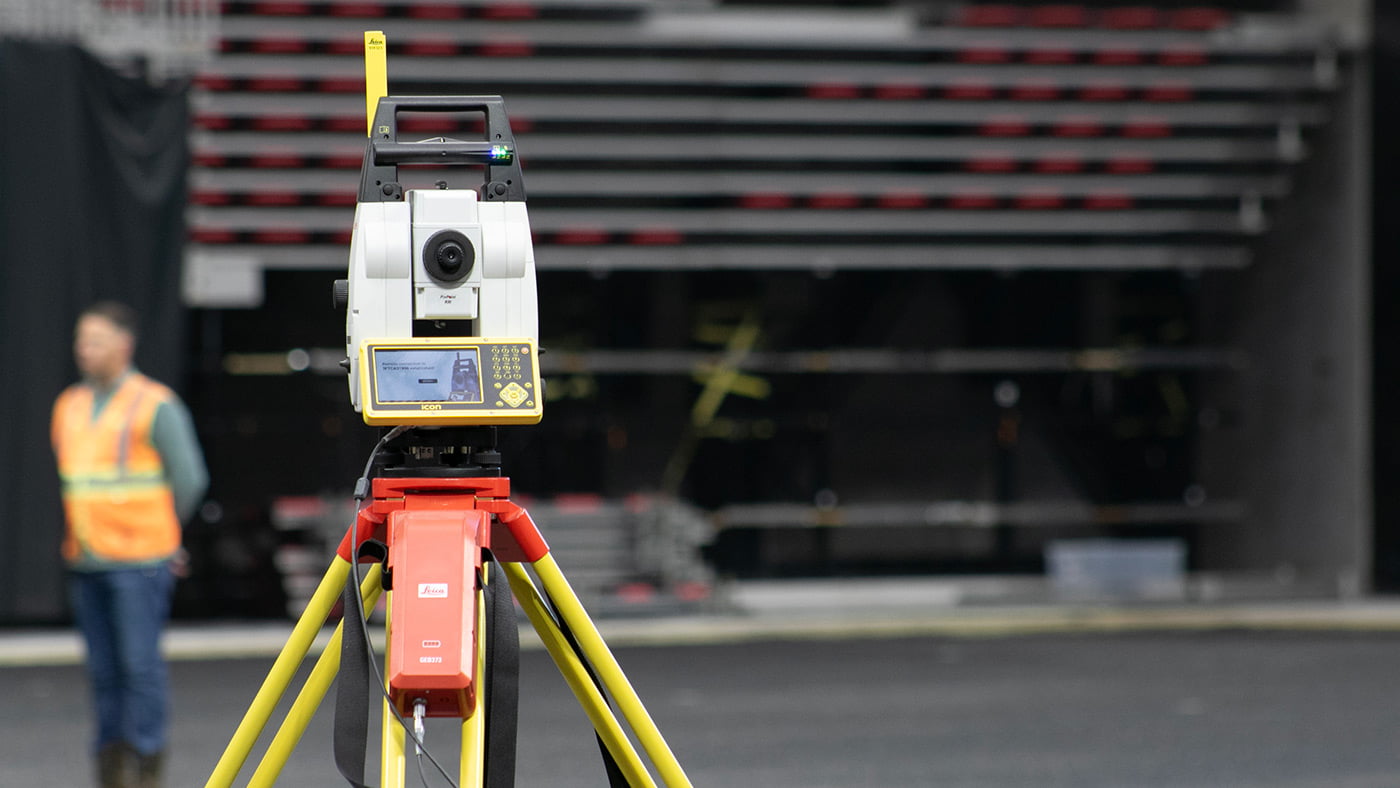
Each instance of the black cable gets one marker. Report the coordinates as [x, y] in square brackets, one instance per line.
[362, 489]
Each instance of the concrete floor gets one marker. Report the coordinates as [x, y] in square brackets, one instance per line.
[1149, 709]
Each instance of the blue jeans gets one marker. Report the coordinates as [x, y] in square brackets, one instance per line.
[121, 614]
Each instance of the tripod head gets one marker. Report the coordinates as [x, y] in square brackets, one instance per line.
[445, 452]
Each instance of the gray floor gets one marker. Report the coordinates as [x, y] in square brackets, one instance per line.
[1224, 708]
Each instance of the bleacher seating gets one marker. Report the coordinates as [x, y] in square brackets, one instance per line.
[659, 137]
[853, 137]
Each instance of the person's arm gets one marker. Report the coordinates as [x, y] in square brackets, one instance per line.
[174, 437]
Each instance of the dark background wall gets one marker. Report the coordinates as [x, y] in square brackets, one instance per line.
[92, 193]
[1385, 185]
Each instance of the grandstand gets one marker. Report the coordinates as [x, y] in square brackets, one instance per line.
[962, 280]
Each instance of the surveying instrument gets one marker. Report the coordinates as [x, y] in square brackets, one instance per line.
[442, 347]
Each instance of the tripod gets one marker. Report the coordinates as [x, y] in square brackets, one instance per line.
[445, 488]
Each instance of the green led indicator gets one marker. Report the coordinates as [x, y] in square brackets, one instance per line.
[501, 152]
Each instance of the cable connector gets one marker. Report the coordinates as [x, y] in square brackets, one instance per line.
[420, 710]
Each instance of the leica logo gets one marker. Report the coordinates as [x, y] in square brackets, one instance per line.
[432, 590]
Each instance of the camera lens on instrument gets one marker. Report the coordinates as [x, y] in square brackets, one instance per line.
[448, 256]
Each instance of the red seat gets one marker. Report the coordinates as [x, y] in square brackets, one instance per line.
[1169, 91]
[1142, 126]
[766, 201]
[506, 49]
[431, 47]
[283, 236]
[1035, 90]
[658, 236]
[1039, 200]
[212, 122]
[1118, 56]
[510, 11]
[283, 123]
[834, 201]
[989, 16]
[902, 201]
[201, 235]
[341, 85]
[1108, 201]
[344, 123]
[284, 8]
[899, 92]
[1067, 16]
[208, 197]
[1199, 18]
[280, 45]
[1183, 55]
[985, 53]
[1005, 126]
[213, 82]
[345, 46]
[436, 11]
[358, 10]
[973, 201]
[582, 236]
[833, 90]
[1130, 18]
[1129, 164]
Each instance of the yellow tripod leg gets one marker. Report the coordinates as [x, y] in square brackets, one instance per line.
[280, 676]
[609, 672]
[472, 768]
[391, 734]
[576, 676]
[311, 695]
[392, 763]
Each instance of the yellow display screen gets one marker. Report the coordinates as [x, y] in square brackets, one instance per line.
[450, 381]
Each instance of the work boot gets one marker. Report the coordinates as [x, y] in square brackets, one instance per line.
[148, 770]
[114, 766]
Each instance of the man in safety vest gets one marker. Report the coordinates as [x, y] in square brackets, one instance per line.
[132, 472]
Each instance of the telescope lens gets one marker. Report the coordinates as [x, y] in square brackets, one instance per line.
[448, 256]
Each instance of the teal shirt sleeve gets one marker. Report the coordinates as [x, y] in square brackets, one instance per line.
[174, 437]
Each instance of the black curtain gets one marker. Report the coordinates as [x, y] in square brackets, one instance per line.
[1385, 279]
[92, 197]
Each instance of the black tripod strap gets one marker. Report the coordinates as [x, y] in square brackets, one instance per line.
[616, 779]
[502, 681]
[351, 737]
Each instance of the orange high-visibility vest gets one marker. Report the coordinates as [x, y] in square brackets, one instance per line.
[118, 503]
